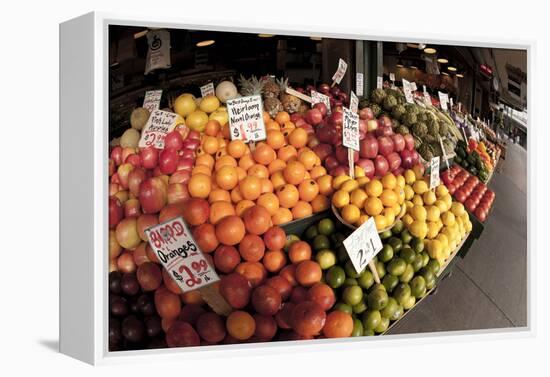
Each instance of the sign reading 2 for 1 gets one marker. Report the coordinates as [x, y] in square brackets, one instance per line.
[179, 254]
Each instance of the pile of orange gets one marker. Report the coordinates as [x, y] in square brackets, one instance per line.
[280, 174]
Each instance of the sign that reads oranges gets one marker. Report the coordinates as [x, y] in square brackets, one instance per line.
[246, 118]
[157, 127]
[363, 245]
[151, 101]
[180, 255]
[350, 130]
[207, 90]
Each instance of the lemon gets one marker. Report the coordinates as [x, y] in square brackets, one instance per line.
[418, 213]
[196, 120]
[400, 181]
[418, 229]
[374, 188]
[362, 181]
[448, 199]
[429, 197]
[433, 230]
[389, 215]
[403, 210]
[468, 226]
[389, 181]
[409, 192]
[220, 115]
[446, 252]
[349, 185]
[441, 205]
[448, 218]
[408, 204]
[419, 171]
[185, 104]
[209, 104]
[358, 171]
[389, 198]
[397, 209]
[380, 222]
[350, 213]
[339, 180]
[362, 219]
[358, 197]
[340, 199]
[373, 206]
[400, 194]
[457, 209]
[407, 220]
[420, 187]
[435, 249]
[417, 200]
[441, 190]
[410, 177]
[441, 237]
[433, 213]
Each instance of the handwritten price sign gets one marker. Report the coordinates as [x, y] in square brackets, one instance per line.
[207, 90]
[317, 97]
[350, 131]
[152, 100]
[246, 118]
[363, 245]
[434, 172]
[159, 124]
[443, 100]
[340, 72]
[407, 91]
[179, 254]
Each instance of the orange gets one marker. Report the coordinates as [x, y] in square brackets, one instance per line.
[282, 216]
[274, 260]
[223, 161]
[389, 181]
[358, 197]
[240, 325]
[301, 209]
[246, 161]
[276, 165]
[272, 125]
[200, 151]
[269, 201]
[220, 209]
[254, 272]
[320, 203]
[264, 154]
[373, 206]
[288, 195]
[222, 142]
[219, 195]
[380, 221]
[306, 175]
[282, 117]
[199, 186]
[241, 173]
[250, 187]
[317, 171]
[275, 139]
[374, 188]
[201, 169]
[338, 325]
[325, 184]
[350, 213]
[267, 186]
[236, 148]
[340, 199]
[298, 138]
[230, 230]
[192, 297]
[258, 170]
[265, 116]
[294, 172]
[210, 144]
[287, 152]
[242, 206]
[212, 128]
[308, 190]
[225, 131]
[288, 126]
[227, 177]
[220, 153]
[389, 198]
[308, 158]
[205, 159]
[236, 195]
[277, 179]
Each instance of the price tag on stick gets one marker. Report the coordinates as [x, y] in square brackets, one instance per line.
[246, 118]
[444, 153]
[443, 99]
[317, 97]
[207, 90]
[407, 91]
[159, 124]
[363, 245]
[151, 101]
[434, 172]
[353, 103]
[379, 82]
[359, 83]
[350, 136]
[340, 72]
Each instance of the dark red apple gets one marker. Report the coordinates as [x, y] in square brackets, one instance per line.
[135, 178]
[381, 166]
[398, 142]
[295, 117]
[331, 162]
[116, 211]
[394, 161]
[385, 145]
[173, 140]
[340, 170]
[152, 195]
[322, 108]
[314, 116]
[322, 150]
[324, 88]
[409, 141]
[368, 147]
[168, 160]
[149, 157]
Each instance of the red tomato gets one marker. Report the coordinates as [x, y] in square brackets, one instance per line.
[451, 187]
[470, 205]
[460, 195]
[481, 214]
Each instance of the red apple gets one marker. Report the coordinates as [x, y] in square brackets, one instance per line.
[171, 211]
[363, 126]
[340, 170]
[368, 147]
[398, 142]
[185, 164]
[177, 193]
[194, 135]
[325, 133]
[309, 128]
[126, 152]
[314, 116]
[324, 88]
[394, 161]
[322, 150]
[135, 178]
[336, 119]
[331, 162]
[183, 130]
[295, 117]
[385, 121]
[384, 131]
[187, 153]
[149, 157]
[144, 222]
[385, 145]
[116, 211]
[133, 159]
[113, 188]
[367, 165]
[299, 122]
[381, 166]
[168, 160]
[180, 176]
[152, 195]
[372, 125]
[192, 144]
[322, 108]
[312, 141]
[366, 113]
[123, 172]
[409, 141]
[132, 208]
[116, 155]
[173, 140]
[112, 167]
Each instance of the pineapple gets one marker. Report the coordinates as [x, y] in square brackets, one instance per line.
[271, 89]
[291, 104]
[251, 86]
[273, 106]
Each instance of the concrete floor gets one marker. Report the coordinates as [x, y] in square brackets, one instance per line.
[488, 288]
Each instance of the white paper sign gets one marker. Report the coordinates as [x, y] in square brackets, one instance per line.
[359, 83]
[413, 86]
[407, 91]
[460, 107]
[434, 172]
[317, 97]
[207, 90]
[443, 99]
[151, 101]
[340, 72]
[246, 118]
[451, 102]
[160, 123]
[363, 245]
[427, 97]
[180, 255]
[444, 153]
[379, 82]
[353, 102]
[350, 130]
[392, 76]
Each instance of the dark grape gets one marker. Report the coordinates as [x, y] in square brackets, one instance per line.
[153, 326]
[158, 342]
[114, 282]
[134, 306]
[115, 335]
[133, 329]
[146, 305]
[118, 306]
[129, 284]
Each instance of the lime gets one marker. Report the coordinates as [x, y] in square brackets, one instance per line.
[321, 242]
[383, 326]
[377, 299]
[368, 332]
[335, 276]
[385, 234]
[390, 281]
[360, 308]
[417, 244]
[326, 227]
[409, 303]
[398, 313]
[407, 254]
[343, 307]
[402, 292]
[342, 254]
[290, 239]
[407, 275]
[433, 265]
[337, 239]
[353, 294]
[395, 243]
[371, 319]
[428, 276]
[350, 270]
[326, 258]
[350, 282]
[386, 254]
[397, 266]
[378, 286]
[365, 280]
[425, 258]
[417, 263]
[390, 308]
[357, 328]
[397, 227]
[406, 237]
[381, 269]
[311, 232]
[418, 286]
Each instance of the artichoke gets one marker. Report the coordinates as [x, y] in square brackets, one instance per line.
[433, 129]
[425, 152]
[409, 119]
[376, 110]
[389, 102]
[398, 111]
[402, 130]
[443, 129]
[420, 130]
[378, 96]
